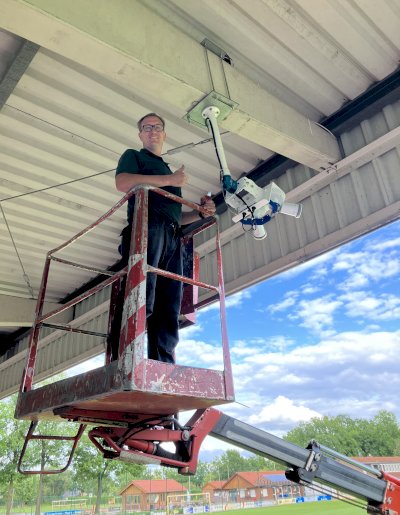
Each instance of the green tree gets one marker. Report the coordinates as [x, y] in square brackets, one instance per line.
[379, 436]
[39, 455]
[231, 461]
[202, 474]
[56, 485]
[125, 473]
[49, 454]
[26, 490]
[191, 483]
[91, 470]
[257, 463]
[12, 434]
[228, 464]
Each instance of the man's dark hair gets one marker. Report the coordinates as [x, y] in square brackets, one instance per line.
[139, 123]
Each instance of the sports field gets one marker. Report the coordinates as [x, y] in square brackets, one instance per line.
[310, 508]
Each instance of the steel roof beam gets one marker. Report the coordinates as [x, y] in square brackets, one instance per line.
[140, 50]
[17, 68]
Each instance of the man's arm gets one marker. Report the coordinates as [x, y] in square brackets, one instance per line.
[126, 181]
[193, 216]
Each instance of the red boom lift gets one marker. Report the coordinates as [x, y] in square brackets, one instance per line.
[129, 401]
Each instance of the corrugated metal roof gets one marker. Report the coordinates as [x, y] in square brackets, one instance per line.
[64, 123]
[313, 54]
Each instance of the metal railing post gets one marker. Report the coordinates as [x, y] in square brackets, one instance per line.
[133, 327]
[29, 371]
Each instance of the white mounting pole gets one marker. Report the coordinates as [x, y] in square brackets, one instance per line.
[211, 114]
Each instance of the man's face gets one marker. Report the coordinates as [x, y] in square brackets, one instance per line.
[152, 140]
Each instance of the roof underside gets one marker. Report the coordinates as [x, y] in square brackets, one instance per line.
[63, 126]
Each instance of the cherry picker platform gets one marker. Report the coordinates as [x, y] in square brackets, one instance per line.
[132, 401]
[129, 389]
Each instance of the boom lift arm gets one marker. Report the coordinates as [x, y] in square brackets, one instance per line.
[315, 466]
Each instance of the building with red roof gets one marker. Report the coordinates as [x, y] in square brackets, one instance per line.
[249, 487]
[150, 494]
[215, 489]
[389, 464]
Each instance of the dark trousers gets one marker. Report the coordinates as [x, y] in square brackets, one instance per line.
[163, 295]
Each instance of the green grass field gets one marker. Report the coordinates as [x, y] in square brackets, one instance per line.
[310, 508]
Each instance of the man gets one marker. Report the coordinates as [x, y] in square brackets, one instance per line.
[163, 295]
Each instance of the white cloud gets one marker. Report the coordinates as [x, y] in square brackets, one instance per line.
[85, 366]
[352, 373]
[348, 260]
[316, 314]
[237, 299]
[241, 348]
[282, 409]
[320, 273]
[191, 330]
[309, 290]
[275, 343]
[233, 301]
[197, 353]
[308, 265]
[356, 280]
[372, 327]
[365, 267]
[256, 346]
[214, 445]
[384, 245]
[289, 300]
[347, 274]
[372, 307]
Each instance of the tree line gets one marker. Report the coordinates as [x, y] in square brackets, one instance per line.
[90, 474]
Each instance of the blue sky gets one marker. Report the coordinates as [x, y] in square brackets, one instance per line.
[320, 339]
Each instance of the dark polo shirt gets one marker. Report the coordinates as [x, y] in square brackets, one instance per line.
[147, 163]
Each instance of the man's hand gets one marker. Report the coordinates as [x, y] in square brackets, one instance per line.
[178, 178]
[208, 205]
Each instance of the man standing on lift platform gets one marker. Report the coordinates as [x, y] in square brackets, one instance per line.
[163, 295]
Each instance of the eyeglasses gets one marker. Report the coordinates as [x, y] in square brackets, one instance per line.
[157, 128]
